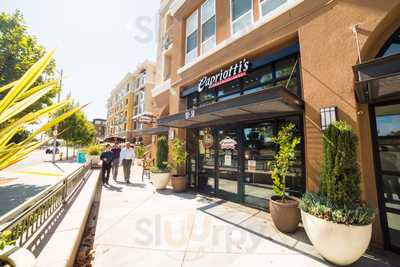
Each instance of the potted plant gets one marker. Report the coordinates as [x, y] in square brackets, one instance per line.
[160, 173]
[94, 152]
[284, 209]
[13, 256]
[337, 221]
[178, 158]
[139, 154]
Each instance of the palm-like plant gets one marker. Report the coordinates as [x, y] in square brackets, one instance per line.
[18, 96]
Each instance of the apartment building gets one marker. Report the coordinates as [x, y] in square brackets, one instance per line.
[129, 107]
[239, 69]
[142, 113]
[120, 108]
[100, 126]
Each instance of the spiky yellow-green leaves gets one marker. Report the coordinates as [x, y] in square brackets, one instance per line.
[18, 96]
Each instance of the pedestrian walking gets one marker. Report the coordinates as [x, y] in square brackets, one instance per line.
[116, 150]
[127, 156]
[107, 158]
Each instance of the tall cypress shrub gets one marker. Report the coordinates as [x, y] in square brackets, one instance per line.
[162, 153]
[340, 174]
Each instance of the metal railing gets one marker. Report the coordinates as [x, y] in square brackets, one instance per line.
[28, 218]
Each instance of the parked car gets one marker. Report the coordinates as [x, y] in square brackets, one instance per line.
[49, 150]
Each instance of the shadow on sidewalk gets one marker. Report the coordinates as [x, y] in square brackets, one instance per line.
[37, 244]
[373, 258]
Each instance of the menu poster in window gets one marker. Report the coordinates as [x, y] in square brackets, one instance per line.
[252, 165]
[228, 160]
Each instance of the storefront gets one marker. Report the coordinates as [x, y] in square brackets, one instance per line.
[232, 115]
[379, 87]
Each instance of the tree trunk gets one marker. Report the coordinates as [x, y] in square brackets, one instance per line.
[66, 142]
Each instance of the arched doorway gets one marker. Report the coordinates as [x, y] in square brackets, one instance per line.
[383, 93]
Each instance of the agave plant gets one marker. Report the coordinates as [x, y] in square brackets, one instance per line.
[18, 96]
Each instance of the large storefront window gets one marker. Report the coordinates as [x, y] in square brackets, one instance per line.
[284, 72]
[388, 135]
[232, 161]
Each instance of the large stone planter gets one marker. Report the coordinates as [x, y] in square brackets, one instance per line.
[285, 215]
[338, 243]
[17, 257]
[160, 180]
[179, 183]
[94, 159]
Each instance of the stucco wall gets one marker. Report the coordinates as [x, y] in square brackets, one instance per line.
[328, 52]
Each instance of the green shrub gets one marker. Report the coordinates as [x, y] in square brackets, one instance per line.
[340, 174]
[178, 155]
[162, 155]
[94, 150]
[284, 158]
[339, 199]
[6, 239]
[139, 151]
[321, 207]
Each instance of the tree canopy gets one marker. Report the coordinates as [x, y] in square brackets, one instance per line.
[18, 52]
[77, 129]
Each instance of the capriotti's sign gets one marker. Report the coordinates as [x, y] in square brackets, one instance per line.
[234, 72]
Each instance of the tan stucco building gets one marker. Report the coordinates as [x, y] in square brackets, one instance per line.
[129, 107]
[240, 69]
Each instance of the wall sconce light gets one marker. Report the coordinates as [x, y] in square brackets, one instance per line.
[171, 134]
[328, 116]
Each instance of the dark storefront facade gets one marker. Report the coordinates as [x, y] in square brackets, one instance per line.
[230, 126]
[379, 87]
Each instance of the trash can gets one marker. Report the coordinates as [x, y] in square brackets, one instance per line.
[81, 158]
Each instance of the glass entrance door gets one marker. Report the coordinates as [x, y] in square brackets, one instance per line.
[388, 142]
[228, 164]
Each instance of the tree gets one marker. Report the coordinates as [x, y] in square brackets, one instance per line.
[76, 130]
[18, 52]
[340, 174]
[284, 158]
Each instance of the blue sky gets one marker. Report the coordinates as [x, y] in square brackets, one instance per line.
[97, 41]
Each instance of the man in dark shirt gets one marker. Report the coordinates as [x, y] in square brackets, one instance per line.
[116, 150]
[107, 159]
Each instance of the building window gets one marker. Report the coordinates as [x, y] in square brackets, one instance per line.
[191, 37]
[208, 26]
[139, 103]
[241, 14]
[267, 6]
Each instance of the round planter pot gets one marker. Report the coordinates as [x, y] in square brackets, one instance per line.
[17, 257]
[160, 180]
[338, 243]
[179, 183]
[139, 162]
[285, 215]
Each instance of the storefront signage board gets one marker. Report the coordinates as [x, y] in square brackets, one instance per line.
[234, 72]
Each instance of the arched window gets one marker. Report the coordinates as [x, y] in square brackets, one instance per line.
[392, 46]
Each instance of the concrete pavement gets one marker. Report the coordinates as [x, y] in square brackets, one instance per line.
[138, 226]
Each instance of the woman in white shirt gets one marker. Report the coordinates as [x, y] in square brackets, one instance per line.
[127, 156]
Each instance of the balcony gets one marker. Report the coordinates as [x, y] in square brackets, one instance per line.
[161, 88]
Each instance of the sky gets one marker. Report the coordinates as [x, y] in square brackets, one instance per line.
[96, 41]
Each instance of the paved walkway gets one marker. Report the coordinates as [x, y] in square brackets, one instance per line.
[140, 227]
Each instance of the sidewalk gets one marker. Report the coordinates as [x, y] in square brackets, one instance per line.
[140, 227]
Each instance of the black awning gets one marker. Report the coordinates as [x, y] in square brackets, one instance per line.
[378, 79]
[150, 131]
[270, 102]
